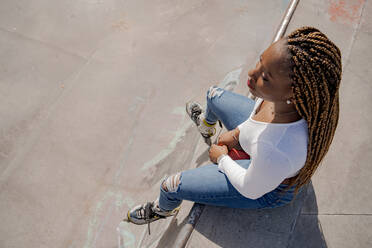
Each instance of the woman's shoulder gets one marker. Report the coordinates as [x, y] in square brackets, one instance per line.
[277, 132]
[290, 140]
[294, 144]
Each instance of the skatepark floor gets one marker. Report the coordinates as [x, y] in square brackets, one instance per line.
[92, 118]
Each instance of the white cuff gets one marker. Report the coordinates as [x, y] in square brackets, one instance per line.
[220, 159]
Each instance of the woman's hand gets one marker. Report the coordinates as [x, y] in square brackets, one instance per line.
[230, 139]
[217, 150]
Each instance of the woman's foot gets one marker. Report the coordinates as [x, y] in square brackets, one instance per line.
[195, 111]
[147, 213]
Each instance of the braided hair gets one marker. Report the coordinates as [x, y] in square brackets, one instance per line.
[316, 75]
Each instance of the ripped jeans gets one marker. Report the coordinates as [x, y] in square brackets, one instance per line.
[206, 184]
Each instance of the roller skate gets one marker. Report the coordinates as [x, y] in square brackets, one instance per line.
[196, 113]
[147, 213]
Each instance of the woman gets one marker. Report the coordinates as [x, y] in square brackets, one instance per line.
[286, 132]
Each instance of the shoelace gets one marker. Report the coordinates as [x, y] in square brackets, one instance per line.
[195, 112]
[147, 213]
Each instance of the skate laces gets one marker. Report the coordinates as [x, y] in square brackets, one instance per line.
[148, 214]
[195, 113]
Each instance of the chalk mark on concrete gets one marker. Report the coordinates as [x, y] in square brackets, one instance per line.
[93, 224]
[230, 81]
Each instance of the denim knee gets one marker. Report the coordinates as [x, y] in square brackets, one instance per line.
[168, 200]
[214, 91]
[170, 184]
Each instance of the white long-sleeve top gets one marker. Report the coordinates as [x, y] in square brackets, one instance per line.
[278, 151]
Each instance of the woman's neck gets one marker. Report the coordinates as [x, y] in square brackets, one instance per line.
[282, 111]
[282, 108]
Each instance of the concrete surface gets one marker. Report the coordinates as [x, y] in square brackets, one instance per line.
[92, 117]
[337, 209]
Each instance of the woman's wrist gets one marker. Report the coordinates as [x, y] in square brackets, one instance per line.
[220, 158]
[234, 137]
[235, 134]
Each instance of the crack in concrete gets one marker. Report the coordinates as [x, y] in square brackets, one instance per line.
[334, 214]
[44, 43]
[353, 37]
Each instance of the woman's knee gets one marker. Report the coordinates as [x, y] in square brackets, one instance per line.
[213, 92]
[171, 183]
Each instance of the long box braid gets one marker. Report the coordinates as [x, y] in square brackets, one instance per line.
[316, 75]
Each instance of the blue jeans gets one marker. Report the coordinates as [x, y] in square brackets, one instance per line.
[206, 184]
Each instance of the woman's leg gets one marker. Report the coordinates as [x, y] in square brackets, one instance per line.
[231, 108]
[209, 186]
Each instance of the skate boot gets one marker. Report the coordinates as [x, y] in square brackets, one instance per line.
[195, 111]
[147, 213]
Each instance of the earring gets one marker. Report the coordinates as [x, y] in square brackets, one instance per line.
[288, 102]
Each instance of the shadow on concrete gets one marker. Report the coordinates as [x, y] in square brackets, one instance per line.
[171, 234]
[177, 158]
[307, 231]
[281, 227]
[203, 158]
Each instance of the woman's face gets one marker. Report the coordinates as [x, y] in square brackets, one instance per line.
[270, 79]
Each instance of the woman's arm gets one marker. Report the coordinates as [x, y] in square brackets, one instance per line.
[266, 171]
[230, 139]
